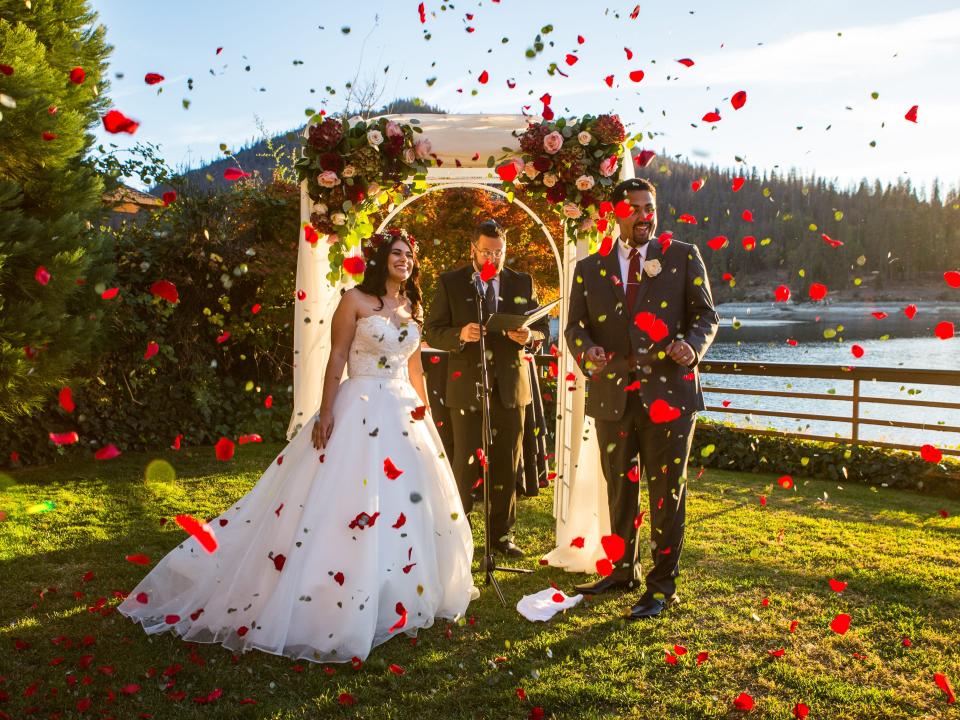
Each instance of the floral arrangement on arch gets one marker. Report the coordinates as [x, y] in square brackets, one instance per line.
[574, 164]
[350, 170]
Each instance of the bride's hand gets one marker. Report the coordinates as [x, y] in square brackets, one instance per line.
[322, 427]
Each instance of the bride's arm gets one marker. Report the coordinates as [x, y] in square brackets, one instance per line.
[343, 326]
[415, 370]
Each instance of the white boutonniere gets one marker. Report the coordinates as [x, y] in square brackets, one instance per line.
[652, 267]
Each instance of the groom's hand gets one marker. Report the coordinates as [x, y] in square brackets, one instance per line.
[596, 359]
[681, 353]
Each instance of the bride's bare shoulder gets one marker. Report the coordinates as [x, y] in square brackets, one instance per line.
[356, 300]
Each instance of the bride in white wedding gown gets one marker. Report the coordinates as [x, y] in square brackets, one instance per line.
[355, 533]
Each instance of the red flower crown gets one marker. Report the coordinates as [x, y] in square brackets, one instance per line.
[377, 239]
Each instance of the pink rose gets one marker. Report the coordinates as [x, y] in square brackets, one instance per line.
[328, 179]
[409, 156]
[422, 148]
[584, 183]
[609, 166]
[570, 210]
[553, 142]
[394, 130]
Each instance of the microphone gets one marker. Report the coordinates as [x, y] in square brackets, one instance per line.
[478, 284]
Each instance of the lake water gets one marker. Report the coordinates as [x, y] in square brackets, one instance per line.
[757, 332]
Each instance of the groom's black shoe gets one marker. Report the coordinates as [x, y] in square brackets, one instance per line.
[508, 548]
[602, 585]
[651, 607]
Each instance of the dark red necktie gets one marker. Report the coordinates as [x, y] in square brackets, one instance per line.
[632, 281]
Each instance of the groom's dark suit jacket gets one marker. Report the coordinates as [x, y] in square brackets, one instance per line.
[679, 296]
[455, 305]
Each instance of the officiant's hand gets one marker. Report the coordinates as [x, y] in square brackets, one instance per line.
[470, 332]
[322, 427]
[681, 353]
[596, 359]
[521, 336]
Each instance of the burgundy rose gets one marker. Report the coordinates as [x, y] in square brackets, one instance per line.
[542, 163]
[393, 146]
[557, 194]
[356, 194]
[331, 161]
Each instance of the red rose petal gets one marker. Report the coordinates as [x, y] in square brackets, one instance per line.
[910, 311]
[944, 330]
[662, 412]
[198, 530]
[609, 80]
[152, 349]
[391, 470]
[912, 114]
[507, 172]
[687, 218]
[747, 215]
[636, 75]
[571, 59]
[401, 521]
[484, 77]
[116, 122]
[402, 612]
[781, 294]
[614, 547]
[737, 184]
[166, 290]
[66, 399]
[224, 449]
[818, 291]
[857, 351]
[488, 271]
[953, 278]
[837, 586]
[152, 78]
[577, 542]
[139, 559]
[800, 711]
[644, 157]
[931, 454]
[712, 117]
[108, 452]
[354, 265]
[739, 99]
[943, 682]
[233, 173]
[786, 482]
[67, 438]
[840, 624]
[78, 75]
[686, 62]
[604, 567]
[717, 242]
[743, 702]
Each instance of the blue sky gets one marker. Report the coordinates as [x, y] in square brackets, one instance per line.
[806, 67]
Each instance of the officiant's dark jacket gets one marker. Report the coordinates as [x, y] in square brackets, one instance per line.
[679, 295]
[455, 305]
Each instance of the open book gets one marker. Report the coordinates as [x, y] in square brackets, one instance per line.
[509, 321]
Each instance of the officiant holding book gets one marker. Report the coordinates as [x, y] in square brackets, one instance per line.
[452, 325]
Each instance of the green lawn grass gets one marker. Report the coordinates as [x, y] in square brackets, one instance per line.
[900, 557]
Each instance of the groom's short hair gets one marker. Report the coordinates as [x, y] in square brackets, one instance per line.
[491, 228]
[621, 190]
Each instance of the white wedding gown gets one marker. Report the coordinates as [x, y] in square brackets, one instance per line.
[300, 570]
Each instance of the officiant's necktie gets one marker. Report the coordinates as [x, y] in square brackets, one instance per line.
[490, 298]
[632, 280]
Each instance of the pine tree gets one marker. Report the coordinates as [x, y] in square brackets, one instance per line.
[53, 262]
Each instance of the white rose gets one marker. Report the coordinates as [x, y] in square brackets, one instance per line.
[549, 179]
[530, 171]
[571, 210]
[409, 156]
[584, 183]
[349, 171]
[374, 137]
[652, 267]
[373, 189]
[321, 208]
[338, 219]
[328, 179]
[584, 137]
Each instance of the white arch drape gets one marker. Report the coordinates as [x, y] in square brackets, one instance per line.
[580, 504]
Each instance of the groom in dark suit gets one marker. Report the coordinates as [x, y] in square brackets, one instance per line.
[452, 325]
[640, 319]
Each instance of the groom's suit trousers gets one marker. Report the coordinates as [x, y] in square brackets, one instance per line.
[663, 449]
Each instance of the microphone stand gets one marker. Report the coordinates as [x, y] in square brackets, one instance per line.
[483, 394]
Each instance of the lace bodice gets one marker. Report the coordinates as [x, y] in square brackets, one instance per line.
[381, 349]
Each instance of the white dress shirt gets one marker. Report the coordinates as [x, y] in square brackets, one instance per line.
[496, 290]
[624, 254]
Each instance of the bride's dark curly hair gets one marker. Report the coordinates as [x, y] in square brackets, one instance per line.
[377, 253]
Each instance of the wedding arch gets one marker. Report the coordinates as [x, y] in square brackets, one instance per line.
[460, 146]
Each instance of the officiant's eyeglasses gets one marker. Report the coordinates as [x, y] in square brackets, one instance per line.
[489, 254]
